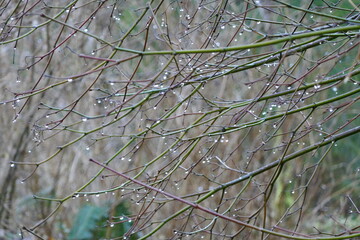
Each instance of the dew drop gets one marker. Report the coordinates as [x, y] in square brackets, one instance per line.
[70, 80]
[12, 165]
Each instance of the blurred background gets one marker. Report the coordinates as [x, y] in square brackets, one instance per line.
[247, 108]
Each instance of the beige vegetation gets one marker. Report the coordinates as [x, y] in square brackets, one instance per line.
[223, 119]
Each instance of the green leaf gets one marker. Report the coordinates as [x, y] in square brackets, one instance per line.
[86, 221]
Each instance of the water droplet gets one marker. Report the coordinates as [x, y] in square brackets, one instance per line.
[70, 80]
[84, 119]
[112, 225]
[12, 165]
